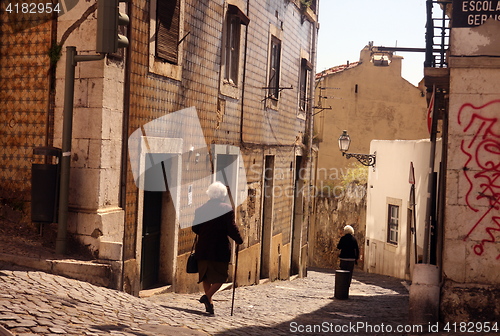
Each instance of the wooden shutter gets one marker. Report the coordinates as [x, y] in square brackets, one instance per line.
[167, 29]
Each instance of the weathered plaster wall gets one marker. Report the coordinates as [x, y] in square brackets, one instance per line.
[330, 216]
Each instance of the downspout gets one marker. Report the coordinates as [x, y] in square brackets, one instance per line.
[309, 116]
[429, 216]
[442, 189]
[242, 114]
[309, 130]
[125, 130]
[49, 120]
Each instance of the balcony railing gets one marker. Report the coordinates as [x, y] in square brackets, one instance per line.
[437, 35]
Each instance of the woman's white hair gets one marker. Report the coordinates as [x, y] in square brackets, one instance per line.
[348, 229]
[217, 190]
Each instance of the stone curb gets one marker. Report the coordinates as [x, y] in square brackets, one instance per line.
[98, 274]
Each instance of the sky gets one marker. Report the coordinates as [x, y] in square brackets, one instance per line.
[347, 26]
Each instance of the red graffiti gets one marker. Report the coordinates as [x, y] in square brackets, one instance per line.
[482, 168]
[479, 248]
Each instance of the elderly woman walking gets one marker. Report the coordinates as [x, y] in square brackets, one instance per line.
[214, 222]
[349, 250]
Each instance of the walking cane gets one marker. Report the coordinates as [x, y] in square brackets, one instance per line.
[234, 280]
[231, 199]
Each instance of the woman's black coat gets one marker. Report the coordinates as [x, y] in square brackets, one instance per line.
[348, 246]
[217, 224]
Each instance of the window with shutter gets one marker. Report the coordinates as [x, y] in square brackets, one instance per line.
[232, 49]
[305, 68]
[274, 68]
[167, 30]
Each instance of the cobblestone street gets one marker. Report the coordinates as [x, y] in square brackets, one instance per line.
[33, 302]
[280, 308]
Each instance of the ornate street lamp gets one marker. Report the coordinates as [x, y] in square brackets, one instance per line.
[364, 159]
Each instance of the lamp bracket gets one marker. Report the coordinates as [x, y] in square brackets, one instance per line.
[364, 159]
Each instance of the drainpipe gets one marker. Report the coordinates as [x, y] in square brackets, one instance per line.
[429, 216]
[51, 88]
[125, 128]
[242, 114]
[310, 126]
[72, 58]
[442, 190]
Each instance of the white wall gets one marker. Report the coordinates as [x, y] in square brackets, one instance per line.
[388, 184]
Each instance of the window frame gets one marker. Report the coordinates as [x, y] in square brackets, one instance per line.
[232, 48]
[393, 220]
[274, 68]
[304, 79]
[232, 51]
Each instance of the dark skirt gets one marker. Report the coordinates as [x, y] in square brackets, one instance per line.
[212, 271]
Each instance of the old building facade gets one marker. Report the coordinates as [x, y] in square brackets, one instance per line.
[370, 100]
[206, 90]
[396, 205]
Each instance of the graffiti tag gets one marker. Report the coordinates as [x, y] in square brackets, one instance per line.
[482, 168]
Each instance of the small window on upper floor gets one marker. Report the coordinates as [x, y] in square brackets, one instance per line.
[231, 58]
[232, 50]
[274, 68]
[168, 30]
[393, 224]
[305, 69]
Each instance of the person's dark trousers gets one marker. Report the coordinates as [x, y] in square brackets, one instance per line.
[348, 265]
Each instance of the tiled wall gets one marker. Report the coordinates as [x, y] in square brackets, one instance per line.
[26, 117]
[152, 96]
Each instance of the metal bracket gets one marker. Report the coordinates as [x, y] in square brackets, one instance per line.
[364, 159]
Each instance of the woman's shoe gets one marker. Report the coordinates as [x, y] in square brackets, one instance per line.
[209, 308]
[203, 299]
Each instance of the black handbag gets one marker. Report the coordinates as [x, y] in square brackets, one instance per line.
[192, 262]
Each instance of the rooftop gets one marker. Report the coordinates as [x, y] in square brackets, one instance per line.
[337, 69]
